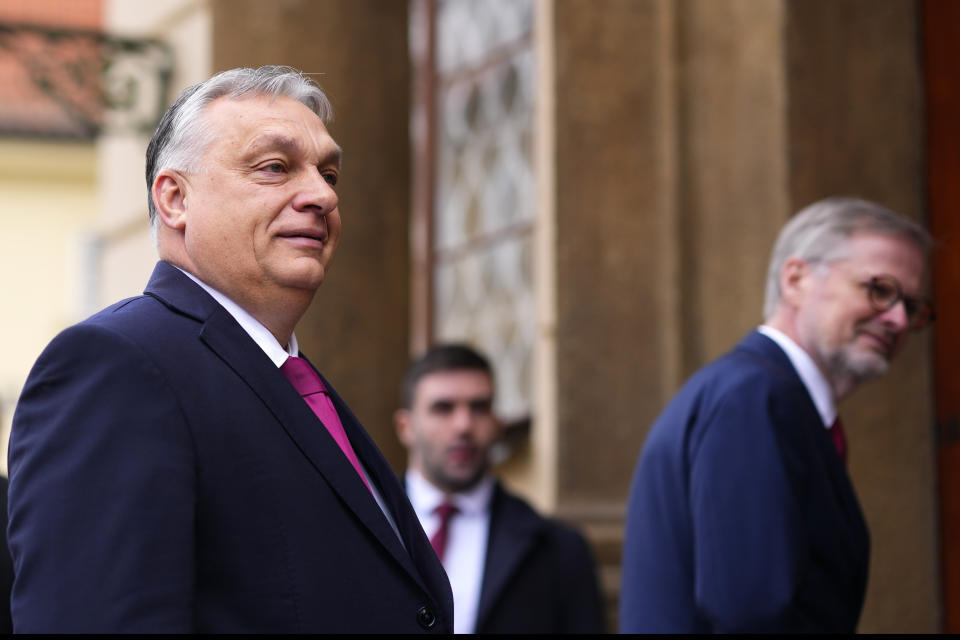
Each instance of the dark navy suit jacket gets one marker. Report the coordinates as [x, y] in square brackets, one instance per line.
[6, 565]
[539, 575]
[165, 477]
[741, 516]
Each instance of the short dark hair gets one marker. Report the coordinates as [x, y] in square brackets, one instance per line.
[441, 357]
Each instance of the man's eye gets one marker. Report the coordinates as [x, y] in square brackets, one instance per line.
[481, 407]
[274, 167]
[442, 408]
[885, 292]
[331, 178]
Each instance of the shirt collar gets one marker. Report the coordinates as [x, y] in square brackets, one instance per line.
[259, 333]
[811, 376]
[425, 497]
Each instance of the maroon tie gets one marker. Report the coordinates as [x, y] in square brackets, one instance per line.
[439, 540]
[839, 440]
[309, 385]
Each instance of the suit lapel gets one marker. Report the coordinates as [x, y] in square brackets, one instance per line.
[425, 565]
[835, 468]
[513, 532]
[232, 344]
[225, 337]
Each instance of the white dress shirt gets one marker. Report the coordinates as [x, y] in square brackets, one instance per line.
[467, 535]
[811, 376]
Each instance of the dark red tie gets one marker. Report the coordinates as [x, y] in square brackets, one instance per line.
[439, 540]
[309, 385]
[839, 440]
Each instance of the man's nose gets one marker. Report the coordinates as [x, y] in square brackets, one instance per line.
[896, 317]
[462, 418]
[316, 194]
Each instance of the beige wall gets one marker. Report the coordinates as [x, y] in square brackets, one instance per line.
[74, 232]
[694, 129]
[128, 255]
[48, 204]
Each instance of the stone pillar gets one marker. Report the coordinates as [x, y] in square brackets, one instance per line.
[357, 329]
[617, 254]
[856, 127]
[687, 132]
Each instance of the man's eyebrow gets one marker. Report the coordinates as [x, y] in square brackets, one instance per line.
[291, 145]
[461, 399]
[335, 156]
[268, 141]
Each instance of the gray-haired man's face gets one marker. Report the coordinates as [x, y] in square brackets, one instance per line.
[848, 337]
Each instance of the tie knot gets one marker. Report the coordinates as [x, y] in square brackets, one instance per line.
[445, 509]
[302, 376]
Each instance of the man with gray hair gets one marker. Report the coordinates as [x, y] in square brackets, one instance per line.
[176, 464]
[741, 516]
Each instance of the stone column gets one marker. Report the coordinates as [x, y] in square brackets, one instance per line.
[687, 132]
[856, 127]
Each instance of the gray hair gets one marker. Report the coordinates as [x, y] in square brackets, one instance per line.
[818, 234]
[181, 137]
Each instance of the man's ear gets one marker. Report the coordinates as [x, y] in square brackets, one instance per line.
[793, 278]
[170, 198]
[401, 422]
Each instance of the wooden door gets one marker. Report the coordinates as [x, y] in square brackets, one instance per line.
[941, 43]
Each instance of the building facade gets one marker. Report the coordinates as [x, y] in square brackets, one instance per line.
[588, 190]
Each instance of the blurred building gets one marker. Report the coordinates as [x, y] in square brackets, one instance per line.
[585, 189]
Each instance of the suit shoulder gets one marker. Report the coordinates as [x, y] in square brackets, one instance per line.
[737, 376]
[519, 510]
[131, 336]
[743, 381]
[138, 312]
[103, 326]
[505, 501]
[141, 320]
[743, 367]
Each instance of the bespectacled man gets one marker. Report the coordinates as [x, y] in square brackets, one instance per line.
[741, 516]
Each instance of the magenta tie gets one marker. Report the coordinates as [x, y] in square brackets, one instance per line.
[309, 385]
[439, 540]
[839, 440]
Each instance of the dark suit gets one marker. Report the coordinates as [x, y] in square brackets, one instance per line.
[539, 575]
[6, 565]
[741, 515]
[166, 477]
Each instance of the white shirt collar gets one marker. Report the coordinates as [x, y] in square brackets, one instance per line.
[260, 334]
[425, 497]
[811, 376]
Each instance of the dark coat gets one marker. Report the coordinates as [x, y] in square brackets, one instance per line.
[165, 477]
[6, 565]
[539, 575]
[741, 515]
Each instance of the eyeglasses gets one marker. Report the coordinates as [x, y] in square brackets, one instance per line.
[884, 293]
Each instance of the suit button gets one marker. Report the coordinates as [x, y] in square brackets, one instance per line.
[426, 618]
